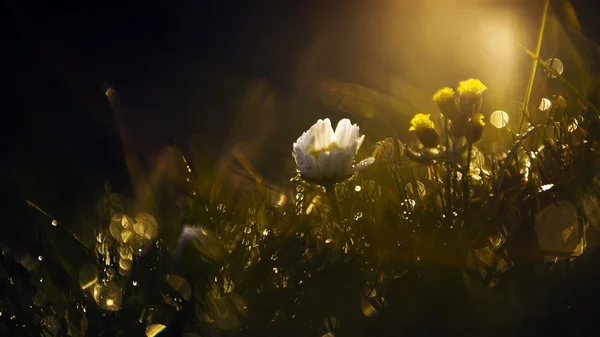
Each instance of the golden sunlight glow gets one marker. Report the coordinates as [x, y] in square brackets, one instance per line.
[499, 119]
[470, 37]
[421, 122]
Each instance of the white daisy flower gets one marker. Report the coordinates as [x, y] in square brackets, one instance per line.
[324, 156]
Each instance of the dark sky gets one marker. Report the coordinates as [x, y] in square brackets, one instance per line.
[59, 135]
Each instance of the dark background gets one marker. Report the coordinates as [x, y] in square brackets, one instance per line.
[171, 61]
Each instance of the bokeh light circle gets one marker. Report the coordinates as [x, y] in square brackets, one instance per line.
[555, 64]
[499, 119]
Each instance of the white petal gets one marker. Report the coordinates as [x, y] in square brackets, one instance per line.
[306, 165]
[344, 160]
[323, 133]
[298, 147]
[306, 141]
[304, 162]
[299, 143]
[325, 164]
[343, 133]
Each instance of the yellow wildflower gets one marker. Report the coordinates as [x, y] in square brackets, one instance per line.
[471, 88]
[425, 130]
[443, 95]
[421, 122]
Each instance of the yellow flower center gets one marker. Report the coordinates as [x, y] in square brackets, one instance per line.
[317, 151]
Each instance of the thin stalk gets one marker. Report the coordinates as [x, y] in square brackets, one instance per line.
[562, 79]
[333, 202]
[466, 170]
[32, 205]
[534, 65]
[413, 183]
[437, 180]
[36, 207]
[448, 168]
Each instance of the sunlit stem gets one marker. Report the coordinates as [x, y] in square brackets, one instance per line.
[534, 65]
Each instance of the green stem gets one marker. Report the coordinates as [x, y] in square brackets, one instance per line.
[534, 65]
